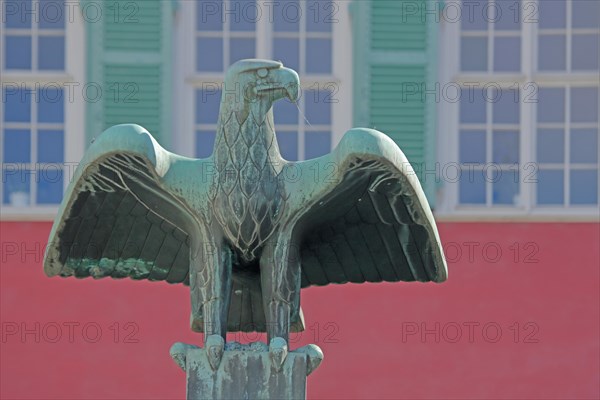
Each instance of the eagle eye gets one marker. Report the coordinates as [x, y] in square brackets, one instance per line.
[263, 72]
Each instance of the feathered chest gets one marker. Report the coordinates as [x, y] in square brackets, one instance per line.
[249, 194]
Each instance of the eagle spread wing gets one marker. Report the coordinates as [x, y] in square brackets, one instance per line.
[369, 220]
[120, 217]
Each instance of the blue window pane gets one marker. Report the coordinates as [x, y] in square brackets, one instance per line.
[318, 56]
[505, 149]
[16, 185]
[16, 13]
[550, 146]
[586, 14]
[552, 14]
[17, 146]
[472, 106]
[473, 54]
[317, 106]
[18, 52]
[472, 17]
[288, 52]
[584, 55]
[550, 187]
[551, 105]
[508, 15]
[51, 145]
[584, 146]
[49, 185]
[505, 187]
[240, 49]
[552, 50]
[472, 147]
[51, 14]
[209, 54]
[207, 106]
[472, 187]
[288, 145]
[51, 105]
[320, 16]
[244, 16]
[584, 187]
[584, 104]
[209, 15]
[317, 144]
[285, 112]
[505, 107]
[51, 53]
[205, 143]
[507, 54]
[17, 105]
[286, 15]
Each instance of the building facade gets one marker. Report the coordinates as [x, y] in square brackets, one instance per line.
[494, 102]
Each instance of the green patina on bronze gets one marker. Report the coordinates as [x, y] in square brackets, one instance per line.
[245, 228]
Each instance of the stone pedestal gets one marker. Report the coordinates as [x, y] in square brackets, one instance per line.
[246, 372]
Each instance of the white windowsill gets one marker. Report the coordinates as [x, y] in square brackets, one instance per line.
[37, 213]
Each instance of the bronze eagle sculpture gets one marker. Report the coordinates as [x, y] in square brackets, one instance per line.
[245, 228]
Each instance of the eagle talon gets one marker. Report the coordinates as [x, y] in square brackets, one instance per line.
[214, 347]
[278, 351]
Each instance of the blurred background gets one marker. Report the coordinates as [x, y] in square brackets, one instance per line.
[494, 102]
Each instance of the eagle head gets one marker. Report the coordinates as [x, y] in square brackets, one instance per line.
[256, 84]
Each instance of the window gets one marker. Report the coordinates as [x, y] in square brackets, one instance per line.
[567, 146]
[220, 41]
[298, 33]
[34, 35]
[491, 36]
[489, 140]
[567, 113]
[525, 136]
[37, 117]
[33, 146]
[568, 35]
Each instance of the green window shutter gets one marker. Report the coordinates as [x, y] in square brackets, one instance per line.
[395, 110]
[134, 96]
[394, 62]
[129, 60]
[397, 26]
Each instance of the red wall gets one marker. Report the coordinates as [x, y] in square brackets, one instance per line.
[528, 322]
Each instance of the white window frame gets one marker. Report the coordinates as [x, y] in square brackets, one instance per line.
[73, 77]
[187, 80]
[449, 207]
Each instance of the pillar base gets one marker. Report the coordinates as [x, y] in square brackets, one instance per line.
[246, 372]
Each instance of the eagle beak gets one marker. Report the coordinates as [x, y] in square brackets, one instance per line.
[290, 82]
[283, 82]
